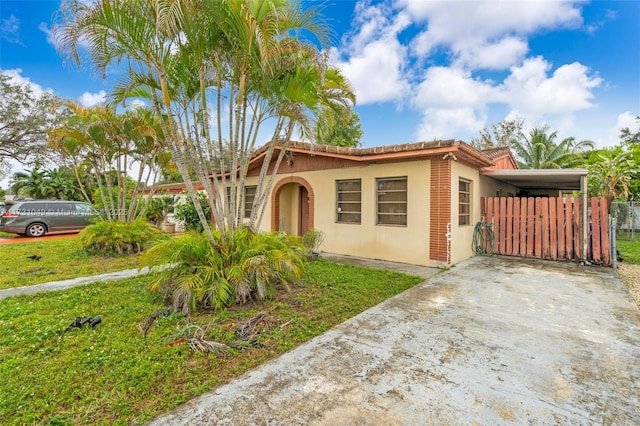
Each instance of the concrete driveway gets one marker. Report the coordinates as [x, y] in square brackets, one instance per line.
[491, 341]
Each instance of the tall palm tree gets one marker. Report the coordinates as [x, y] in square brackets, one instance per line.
[243, 60]
[540, 150]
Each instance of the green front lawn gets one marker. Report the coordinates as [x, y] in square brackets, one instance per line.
[630, 250]
[112, 375]
[60, 259]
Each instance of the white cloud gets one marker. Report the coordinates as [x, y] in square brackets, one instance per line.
[45, 29]
[531, 93]
[627, 120]
[495, 56]
[373, 59]
[428, 55]
[464, 25]
[17, 78]
[136, 103]
[90, 99]
[450, 101]
[10, 30]
[624, 120]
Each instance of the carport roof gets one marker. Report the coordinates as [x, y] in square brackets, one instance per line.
[563, 179]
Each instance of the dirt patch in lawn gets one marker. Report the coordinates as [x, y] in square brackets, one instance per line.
[630, 274]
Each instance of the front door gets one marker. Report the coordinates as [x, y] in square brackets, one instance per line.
[303, 211]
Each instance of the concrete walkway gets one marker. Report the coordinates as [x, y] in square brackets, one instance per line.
[490, 341]
[64, 284]
[420, 271]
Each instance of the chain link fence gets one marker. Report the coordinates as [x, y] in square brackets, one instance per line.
[626, 216]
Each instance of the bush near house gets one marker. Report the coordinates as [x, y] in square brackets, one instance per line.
[114, 237]
[246, 267]
[186, 212]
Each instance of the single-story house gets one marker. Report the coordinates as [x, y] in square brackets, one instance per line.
[413, 203]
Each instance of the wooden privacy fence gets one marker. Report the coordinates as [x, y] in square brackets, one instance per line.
[548, 227]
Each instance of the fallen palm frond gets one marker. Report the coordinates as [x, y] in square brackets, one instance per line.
[148, 322]
[247, 334]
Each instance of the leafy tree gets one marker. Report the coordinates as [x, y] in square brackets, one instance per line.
[32, 183]
[502, 134]
[235, 63]
[610, 173]
[540, 150]
[630, 137]
[343, 130]
[40, 183]
[24, 120]
[186, 212]
[104, 144]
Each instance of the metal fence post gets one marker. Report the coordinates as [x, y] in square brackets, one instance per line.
[613, 238]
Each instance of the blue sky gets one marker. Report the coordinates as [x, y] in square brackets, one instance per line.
[425, 70]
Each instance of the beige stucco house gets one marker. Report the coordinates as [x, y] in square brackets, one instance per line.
[414, 203]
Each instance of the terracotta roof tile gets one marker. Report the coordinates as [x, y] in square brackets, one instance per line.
[494, 153]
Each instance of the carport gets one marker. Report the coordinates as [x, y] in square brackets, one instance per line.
[545, 220]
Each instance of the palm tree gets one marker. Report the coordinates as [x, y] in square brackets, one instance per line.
[110, 143]
[540, 150]
[32, 183]
[241, 59]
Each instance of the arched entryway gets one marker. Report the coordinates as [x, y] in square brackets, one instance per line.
[292, 206]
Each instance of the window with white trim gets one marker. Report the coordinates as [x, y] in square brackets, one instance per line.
[349, 200]
[391, 201]
[464, 202]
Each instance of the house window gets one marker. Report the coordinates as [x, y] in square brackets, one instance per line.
[349, 198]
[464, 202]
[249, 197]
[391, 200]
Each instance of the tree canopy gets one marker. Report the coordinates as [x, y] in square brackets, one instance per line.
[103, 147]
[501, 134]
[25, 119]
[214, 72]
[541, 151]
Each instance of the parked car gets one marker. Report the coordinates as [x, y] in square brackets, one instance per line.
[36, 218]
[3, 207]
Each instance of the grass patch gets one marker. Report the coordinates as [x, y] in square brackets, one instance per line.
[630, 251]
[61, 259]
[111, 375]
[6, 235]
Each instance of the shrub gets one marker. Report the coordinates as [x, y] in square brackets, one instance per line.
[186, 213]
[247, 267]
[117, 237]
[312, 240]
[156, 210]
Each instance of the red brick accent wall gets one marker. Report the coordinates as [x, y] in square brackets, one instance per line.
[440, 208]
[275, 200]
